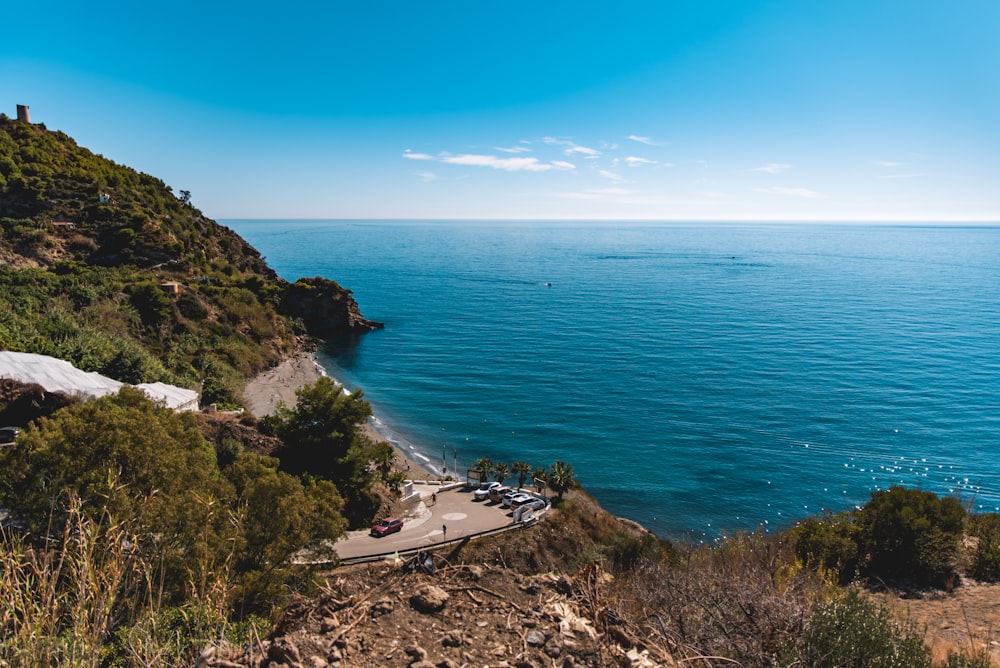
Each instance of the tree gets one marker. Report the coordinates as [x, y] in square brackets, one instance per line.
[186, 196]
[523, 470]
[500, 472]
[323, 439]
[320, 432]
[127, 460]
[561, 478]
[278, 516]
[911, 534]
[485, 467]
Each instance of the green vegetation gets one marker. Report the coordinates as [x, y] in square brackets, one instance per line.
[851, 630]
[138, 543]
[90, 289]
[561, 478]
[133, 463]
[986, 559]
[322, 440]
[905, 535]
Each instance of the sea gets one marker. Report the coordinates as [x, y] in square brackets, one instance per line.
[700, 378]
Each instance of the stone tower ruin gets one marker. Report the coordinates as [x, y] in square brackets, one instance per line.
[22, 113]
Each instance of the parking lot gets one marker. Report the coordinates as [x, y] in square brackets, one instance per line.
[454, 515]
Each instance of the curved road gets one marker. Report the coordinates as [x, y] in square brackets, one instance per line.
[424, 527]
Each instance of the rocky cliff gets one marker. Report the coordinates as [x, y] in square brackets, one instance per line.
[325, 308]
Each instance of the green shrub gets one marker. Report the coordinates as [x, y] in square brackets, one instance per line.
[911, 535]
[853, 632]
[986, 560]
[828, 542]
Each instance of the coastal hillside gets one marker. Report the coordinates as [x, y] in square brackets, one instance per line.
[112, 270]
[131, 535]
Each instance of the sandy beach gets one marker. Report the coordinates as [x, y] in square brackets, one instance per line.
[263, 393]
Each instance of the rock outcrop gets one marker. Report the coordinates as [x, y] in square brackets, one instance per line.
[325, 308]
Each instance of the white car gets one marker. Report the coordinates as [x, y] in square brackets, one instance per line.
[534, 504]
[484, 490]
[515, 500]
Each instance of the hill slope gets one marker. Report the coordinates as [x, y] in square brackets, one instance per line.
[88, 250]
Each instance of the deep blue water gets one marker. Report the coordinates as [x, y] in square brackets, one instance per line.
[700, 378]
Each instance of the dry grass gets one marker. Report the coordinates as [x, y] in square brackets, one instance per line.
[63, 603]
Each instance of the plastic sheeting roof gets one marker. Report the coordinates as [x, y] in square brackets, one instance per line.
[60, 376]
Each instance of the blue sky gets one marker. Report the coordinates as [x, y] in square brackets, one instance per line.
[705, 109]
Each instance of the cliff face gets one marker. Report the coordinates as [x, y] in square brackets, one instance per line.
[325, 308]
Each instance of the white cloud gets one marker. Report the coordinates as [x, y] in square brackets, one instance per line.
[642, 140]
[611, 176]
[513, 149]
[633, 161]
[572, 148]
[427, 177]
[409, 155]
[772, 168]
[505, 164]
[791, 192]
[582, 150]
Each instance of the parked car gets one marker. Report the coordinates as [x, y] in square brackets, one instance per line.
[8, 434]
[536, 504]
[484, 490]
[517, 498]
[497, 493]
[387, 526]
[526, 500]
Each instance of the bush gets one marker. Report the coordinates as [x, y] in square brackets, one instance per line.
[829, 542]
[853, 631]
[911, 535]
[986, 560]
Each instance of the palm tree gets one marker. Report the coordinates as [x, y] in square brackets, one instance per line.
[561, 478]
[523, 470]
[500, 472]
[485, 467]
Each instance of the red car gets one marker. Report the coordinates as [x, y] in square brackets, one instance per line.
[387, 526]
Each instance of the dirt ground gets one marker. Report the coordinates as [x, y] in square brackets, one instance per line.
[966, 619]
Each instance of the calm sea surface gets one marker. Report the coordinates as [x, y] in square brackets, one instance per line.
[700, 378]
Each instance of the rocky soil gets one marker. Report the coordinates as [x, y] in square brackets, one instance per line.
[465, 615]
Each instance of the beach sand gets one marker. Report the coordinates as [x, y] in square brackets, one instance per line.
[278, 384]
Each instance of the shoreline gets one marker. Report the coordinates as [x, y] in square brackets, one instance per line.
[278, 384]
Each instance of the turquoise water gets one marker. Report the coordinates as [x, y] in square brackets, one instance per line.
[700, 378]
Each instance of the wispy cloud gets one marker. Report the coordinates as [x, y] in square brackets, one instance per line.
[611, 176]
[410, 155]
[772, 168]
[791, 192]
[572, 148]
[642, 140]
[634, 161]
[427, 177]
[514, 149]
[505, 164]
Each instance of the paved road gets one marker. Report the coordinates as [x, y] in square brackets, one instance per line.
[454, 509]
